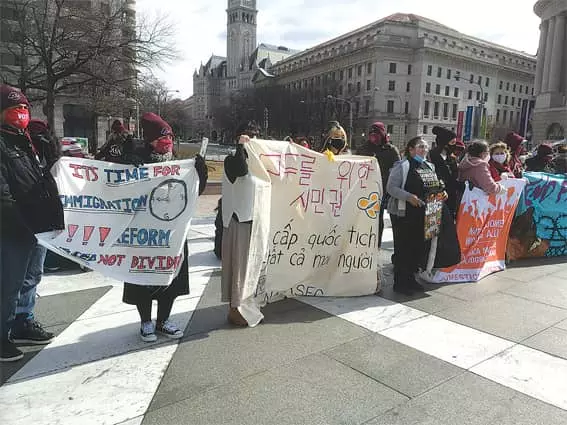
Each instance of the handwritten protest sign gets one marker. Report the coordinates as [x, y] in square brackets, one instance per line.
[323, 238]
[129, 223]
[483, 224]
[540, 226]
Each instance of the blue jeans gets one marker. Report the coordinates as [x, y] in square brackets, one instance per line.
[26, 301]
[14, 260]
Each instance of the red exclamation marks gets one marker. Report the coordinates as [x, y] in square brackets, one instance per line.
[103, 231]
[87, 233]
[72, 229]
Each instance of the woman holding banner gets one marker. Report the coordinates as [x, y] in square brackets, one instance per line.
[419, 216]
[158, 147]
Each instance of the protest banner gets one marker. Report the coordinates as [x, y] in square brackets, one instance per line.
[540, 226]
[483, 224]
[128, 223]
[323, 222]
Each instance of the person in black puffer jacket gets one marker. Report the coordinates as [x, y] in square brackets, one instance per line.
[30, 204]
[159, 148]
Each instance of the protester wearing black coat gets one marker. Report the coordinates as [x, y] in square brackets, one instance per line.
[446, 164]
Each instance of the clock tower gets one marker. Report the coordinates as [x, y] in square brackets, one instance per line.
[241, 35]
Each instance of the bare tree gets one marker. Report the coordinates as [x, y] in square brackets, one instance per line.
[73, 47]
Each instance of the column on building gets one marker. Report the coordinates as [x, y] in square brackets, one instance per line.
[548, 56]
[541, 56]
[557, 55]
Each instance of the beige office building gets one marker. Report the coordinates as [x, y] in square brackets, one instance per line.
[550, 118]
[413, 73]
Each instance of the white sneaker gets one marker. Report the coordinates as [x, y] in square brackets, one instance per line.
[170, 330]
[147, 332]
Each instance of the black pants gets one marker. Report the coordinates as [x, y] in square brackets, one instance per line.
[409, 248]
[165, 304]
[383, 207]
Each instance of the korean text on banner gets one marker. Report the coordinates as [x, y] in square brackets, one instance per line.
[540, 226]
[128, 223]
[323, 238]
[483, 224]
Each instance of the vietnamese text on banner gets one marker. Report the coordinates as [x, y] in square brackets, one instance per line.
[128, 223]
[323, 221]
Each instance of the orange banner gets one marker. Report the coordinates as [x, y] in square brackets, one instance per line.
[483, 224]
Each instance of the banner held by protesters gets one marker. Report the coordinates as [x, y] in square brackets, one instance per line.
[128, 223]
[483, 224]
[323, 222]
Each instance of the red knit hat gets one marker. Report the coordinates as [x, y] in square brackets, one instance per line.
[513, 140]
[154, 127]
[545, 149]
[460, 145]
[36, 127]
[11, 96]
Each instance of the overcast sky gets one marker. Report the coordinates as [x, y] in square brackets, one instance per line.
[299, 24]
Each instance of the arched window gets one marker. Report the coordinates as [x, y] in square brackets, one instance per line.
[555, 132]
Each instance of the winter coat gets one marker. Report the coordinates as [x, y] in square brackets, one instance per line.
[539, 165]
[446, 170]
[386, 154]
[497, 169]
[113, 149]
[476, 171]
[560, 163]
[29, 195]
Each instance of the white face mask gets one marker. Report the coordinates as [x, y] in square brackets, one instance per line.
[499, 158]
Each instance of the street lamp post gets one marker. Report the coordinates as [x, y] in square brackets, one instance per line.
[350, 115]
[481, 104]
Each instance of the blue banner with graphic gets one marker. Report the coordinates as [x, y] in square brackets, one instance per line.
[468, 124]
[540, 226]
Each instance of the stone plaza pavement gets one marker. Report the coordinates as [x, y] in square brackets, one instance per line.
[490, 353]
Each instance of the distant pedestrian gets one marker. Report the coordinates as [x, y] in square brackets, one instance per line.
[515, 144]
[113, 149]
[560, 161]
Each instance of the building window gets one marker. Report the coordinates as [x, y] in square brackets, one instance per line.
[409, 69]
[436, 110]
[532, 91]
[479, 81]
[425, 129]
[359, 71]
[471, 80]
[511, 118]
[342, 75]
[498, 115]
[408, 86]
[448, 74]
[445, 110]
[470, 94]
[405, 129]
[514, 88]
[350, 73]
[368, 85]
[508, 86]
[390, 107]
[429, 70]
[519, 102]
[499, 101]
[454, 111]
[393, 67]
[477, 95]
[506, 100]
[406, 108]
[391, 85]
[513, 102]
[426, 109]
[501, 85]
[521, 89]
[356, 108]
[437, 88]
[485, 97]
[439, 72]
[487, 82]
[358, 87]
[504, 116]
[456, 92]
[447, 91]
[527, 90]
[367, 106]
[341, 90]
[427, 87]
[369, 68]
[349, 88]
[390, 129]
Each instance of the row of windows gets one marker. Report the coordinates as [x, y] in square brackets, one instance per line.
[437, 108]
[502, 117]
[512, 101]
[393, 68]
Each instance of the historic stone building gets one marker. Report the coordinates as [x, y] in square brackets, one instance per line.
[219, 77]
[550, 118]
[413, 73]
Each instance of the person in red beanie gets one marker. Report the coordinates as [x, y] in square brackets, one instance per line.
[159, 148]
[542, 161]
[113, 149]
[378, 145]
[30, 205]
[515, 144]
